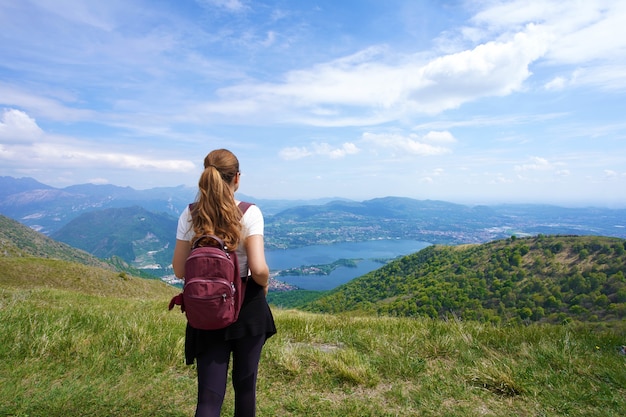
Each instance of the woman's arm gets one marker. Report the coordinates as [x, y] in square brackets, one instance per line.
[181, 251]
[256, 260]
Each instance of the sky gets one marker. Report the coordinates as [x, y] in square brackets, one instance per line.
[473, 102]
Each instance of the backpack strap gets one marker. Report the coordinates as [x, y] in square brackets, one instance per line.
[177, 300]
[243, 206]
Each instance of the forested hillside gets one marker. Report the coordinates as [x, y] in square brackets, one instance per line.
[20, 241]
[136, 235]
[543, 278]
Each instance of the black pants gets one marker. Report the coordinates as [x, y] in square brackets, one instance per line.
[212, 368]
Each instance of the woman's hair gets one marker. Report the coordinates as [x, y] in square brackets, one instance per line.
[215, 211]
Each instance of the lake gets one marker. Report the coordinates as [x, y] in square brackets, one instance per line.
[327, 254]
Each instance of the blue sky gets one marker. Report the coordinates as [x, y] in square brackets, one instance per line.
[465, 101]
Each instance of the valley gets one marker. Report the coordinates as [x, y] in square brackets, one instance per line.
[135, 228]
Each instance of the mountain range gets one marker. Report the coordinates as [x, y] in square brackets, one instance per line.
[47, 209]
[434, 221]
[138, 226]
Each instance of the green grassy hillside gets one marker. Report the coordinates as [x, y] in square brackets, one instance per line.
[27, 273]
[538, 279]
[18, 240]
[65, 353]
[85, 341]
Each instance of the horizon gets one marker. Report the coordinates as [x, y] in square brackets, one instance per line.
[326, 199]
[470, 102]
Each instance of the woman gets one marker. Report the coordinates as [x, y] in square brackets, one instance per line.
[216, 212]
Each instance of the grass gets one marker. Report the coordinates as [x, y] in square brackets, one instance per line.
[101, 348]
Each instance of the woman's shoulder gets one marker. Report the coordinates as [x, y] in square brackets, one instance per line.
[249, 208]
[185, 213]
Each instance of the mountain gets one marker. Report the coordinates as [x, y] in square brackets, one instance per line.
[288, 224]
[10, 185]
[47, 209]
[29, 260]
[140, 237]
[17, 240]
[542, 278]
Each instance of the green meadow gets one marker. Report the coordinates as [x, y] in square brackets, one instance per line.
[82, 341]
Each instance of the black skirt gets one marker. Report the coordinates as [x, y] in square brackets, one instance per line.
[255, 319]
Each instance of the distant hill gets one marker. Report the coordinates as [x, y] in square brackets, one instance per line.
[47, 209]
[288, 224]
[10, 186]
[291, 223]
[543, 278]
[20, 241]
[138, 236]
[17, 240]
[433, 221]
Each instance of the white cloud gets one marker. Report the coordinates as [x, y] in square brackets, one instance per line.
[230, 5]
[556, 84]
[597, 33]
[606, 77]
[24, 143]
[5, 153]
[69, 156]
[293, 153]
[411, 144]
[487, 121]
[319, 149]
[346, 149]
[500, 179]
[389, 86]
[41, 105]
[439, 136]
[499, 16]
[539, 164]
[270, 39]
[585, 33]
[94, 14]
[17, 127]
[494, 68]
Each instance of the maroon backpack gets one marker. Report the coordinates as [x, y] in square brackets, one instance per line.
[213, 290]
